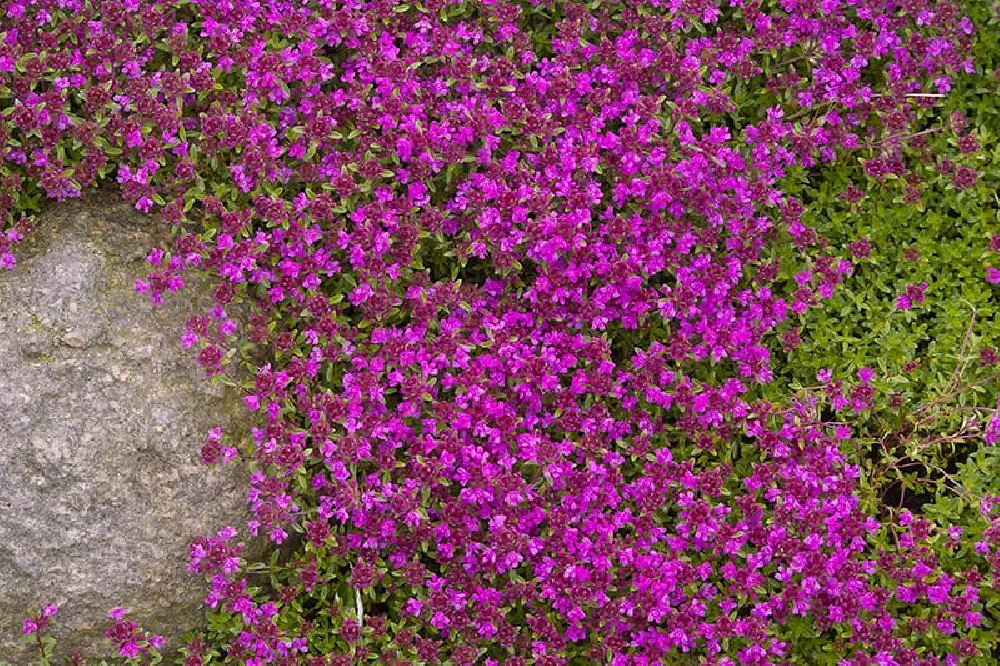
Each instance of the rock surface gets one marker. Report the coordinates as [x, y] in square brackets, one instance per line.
[102, 417]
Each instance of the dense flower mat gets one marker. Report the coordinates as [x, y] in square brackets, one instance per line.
[636, 332]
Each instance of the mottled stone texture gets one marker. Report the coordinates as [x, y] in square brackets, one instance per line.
[102, 416]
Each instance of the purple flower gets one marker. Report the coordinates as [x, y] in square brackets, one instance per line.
[414, 606]
[129, 650]
[188, 338]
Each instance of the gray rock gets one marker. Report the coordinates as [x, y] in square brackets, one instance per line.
[102, 417]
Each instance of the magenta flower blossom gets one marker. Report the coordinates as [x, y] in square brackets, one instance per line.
[913, 295]
[129, 650]
[414, 606]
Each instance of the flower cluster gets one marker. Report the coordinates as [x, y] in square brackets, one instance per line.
[519, 265]
[914, 294]
[129, 639]
[37, 624]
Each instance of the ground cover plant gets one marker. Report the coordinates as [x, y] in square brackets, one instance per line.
[627, 332]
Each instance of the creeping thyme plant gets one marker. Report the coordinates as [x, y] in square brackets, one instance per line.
[600, 332]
